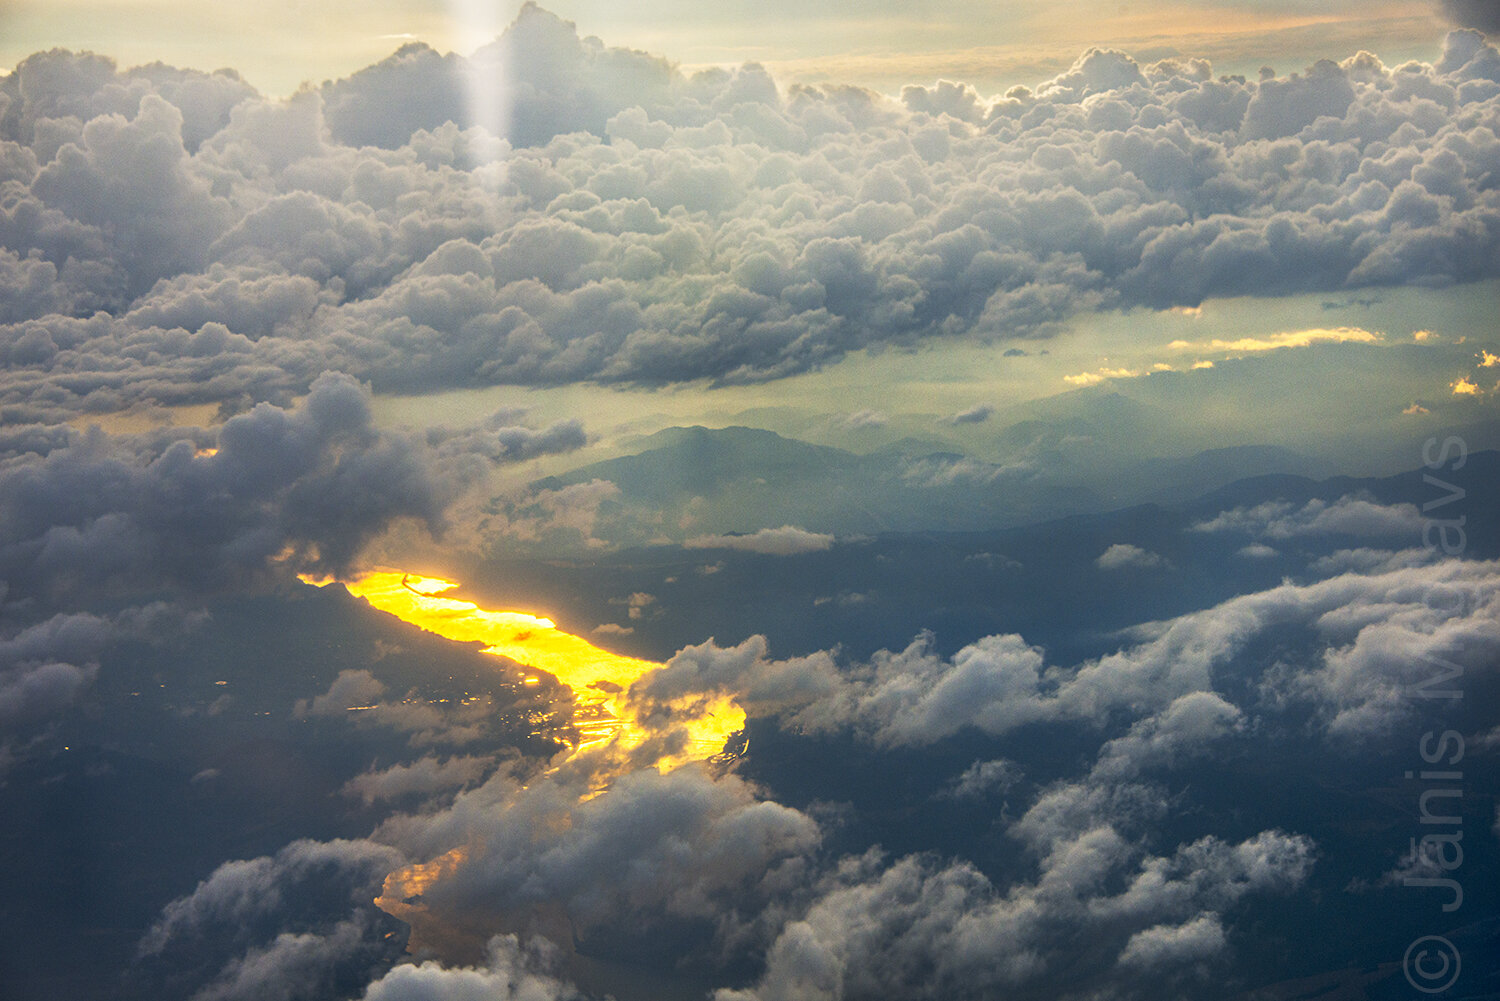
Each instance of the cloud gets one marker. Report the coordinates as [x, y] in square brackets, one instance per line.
[1122, 555]
[1285, 339]
[1369, 560]
[1473, 14]
[653, 848]
[787, 540]
[46, 666]
[1257, 551]
[299, 924]
[915, 697]
[546, 516]
[351, 689]
[1192, 720]
[864, 419]
[357, 696]
[509, 973]
[424, 776]
[500, 441]
[1348, 515]
[1464, 386]
[1102, 375]
[302, 488]
[914, 929]
[1370, 637]
[1200, 938]
[613, 629]
[982, 777]
[175, 238]
[759, 684]
[977, 414]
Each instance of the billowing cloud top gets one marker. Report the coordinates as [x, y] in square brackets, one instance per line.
[171, 236]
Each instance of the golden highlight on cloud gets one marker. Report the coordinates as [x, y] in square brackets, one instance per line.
[1286, 339]
[1464, 386]
[1102, 375]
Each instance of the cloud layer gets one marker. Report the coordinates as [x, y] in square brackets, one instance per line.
[170, 236]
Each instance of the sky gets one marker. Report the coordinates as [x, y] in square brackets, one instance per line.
[883, 45]
[768, 502]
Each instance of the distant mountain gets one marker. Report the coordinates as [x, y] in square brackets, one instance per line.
[1042, 579]
[695, 480]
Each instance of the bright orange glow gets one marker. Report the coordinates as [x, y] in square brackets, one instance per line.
[604, 720]
[599, 679]
[1285, 339]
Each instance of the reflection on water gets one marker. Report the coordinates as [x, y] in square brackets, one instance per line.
[605, 725]
[599, 680]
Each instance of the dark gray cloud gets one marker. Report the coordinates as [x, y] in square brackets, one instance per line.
[422, 777]
[685, 844]
[46, 666]
[500, 440]
[175, 238]
[1481, 14]
[309, 486]
[297, 925]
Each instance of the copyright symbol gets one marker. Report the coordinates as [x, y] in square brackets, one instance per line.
[1431, 964]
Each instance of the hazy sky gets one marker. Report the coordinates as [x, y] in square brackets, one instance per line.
[282, 43]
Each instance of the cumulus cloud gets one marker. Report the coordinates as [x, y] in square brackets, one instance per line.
[977, 414]
[307, 487]
[357, 695]
[510, 973]
[653, 848]
[46, 666]
[1122, 555]
[350, 690]
[299, 924]
[1473, 14]
[983, 777]
[174, 237]
[424, 777]
[1370, 639]
[1348, 515]
[499, 440]
[1200, 938]
[788, 540]
[1191, 721]
[914, 929]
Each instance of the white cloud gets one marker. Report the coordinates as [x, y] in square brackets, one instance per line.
[424, 776]
[1347, 515]
[788, 540]
[510, 973]
[642, 226]
[1371, 636]
[1122, 556]
[1198, 939]
[980, 778]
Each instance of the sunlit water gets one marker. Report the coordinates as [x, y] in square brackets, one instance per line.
[605, 722]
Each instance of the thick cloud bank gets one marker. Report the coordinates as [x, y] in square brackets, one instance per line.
[304, 487]
[171, 236]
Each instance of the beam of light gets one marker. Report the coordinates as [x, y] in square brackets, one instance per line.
[476, 25]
